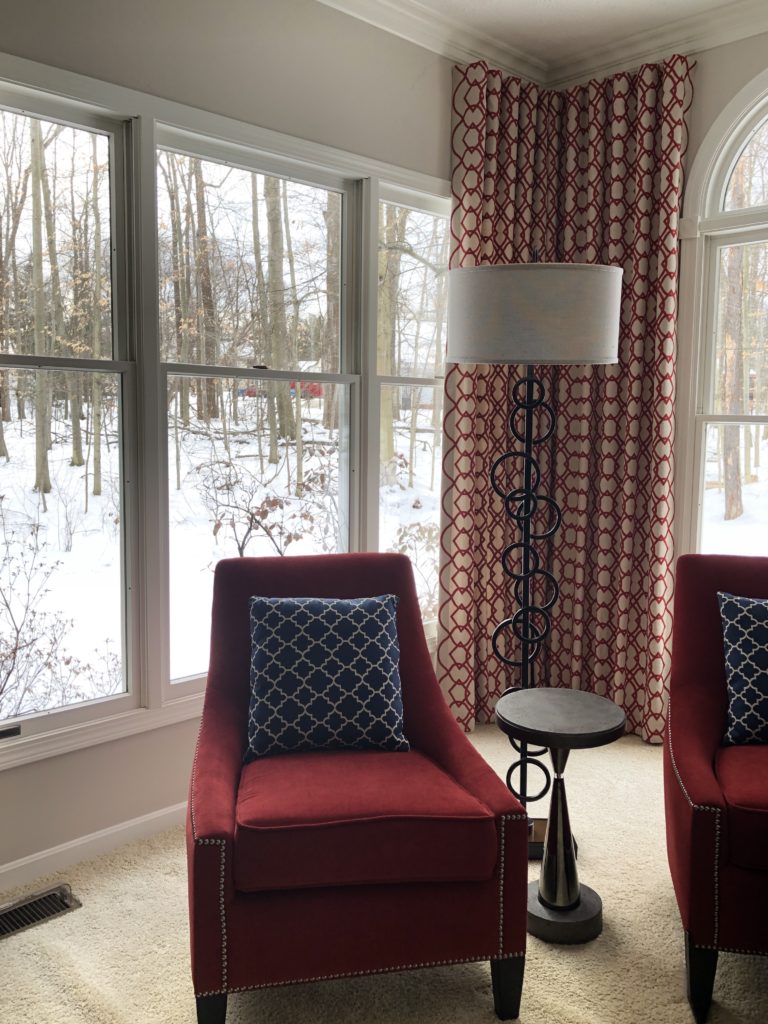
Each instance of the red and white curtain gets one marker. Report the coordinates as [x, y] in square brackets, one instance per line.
[592, 174]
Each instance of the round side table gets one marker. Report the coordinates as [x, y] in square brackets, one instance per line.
[560, 909]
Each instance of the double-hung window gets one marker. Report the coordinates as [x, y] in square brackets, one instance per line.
[256, 361]
[732, 415]
[67, 413]
[208, 349]
[412, 266]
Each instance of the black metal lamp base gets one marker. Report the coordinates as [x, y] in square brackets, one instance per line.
[581, 923]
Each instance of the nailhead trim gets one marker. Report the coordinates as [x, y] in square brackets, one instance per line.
[194, 781]
[358, 974]
[730, 949]
[502, 826]
[222, 844]
[700, 807]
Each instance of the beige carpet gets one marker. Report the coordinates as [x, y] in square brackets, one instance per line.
[123, 958]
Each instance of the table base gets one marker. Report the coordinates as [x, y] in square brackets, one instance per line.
[536, 835]
[582, 923]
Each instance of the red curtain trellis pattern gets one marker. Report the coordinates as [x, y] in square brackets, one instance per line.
[592, 174]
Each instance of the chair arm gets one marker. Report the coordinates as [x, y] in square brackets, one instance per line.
[216, 769]
[210, 836]
[692, 740]
[448, 745]
[696, 821]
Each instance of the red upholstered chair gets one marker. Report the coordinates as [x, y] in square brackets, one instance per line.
[716, 796]
[320, 865]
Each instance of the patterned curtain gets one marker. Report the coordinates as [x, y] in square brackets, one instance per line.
[592, 174]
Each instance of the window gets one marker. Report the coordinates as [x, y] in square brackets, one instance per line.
[410, 355]
[63, 406]
[732, 417]
[196, 362]
[250, 280]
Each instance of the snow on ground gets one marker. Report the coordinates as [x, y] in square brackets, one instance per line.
[747, 535]
[82, 547]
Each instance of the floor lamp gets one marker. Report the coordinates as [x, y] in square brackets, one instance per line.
[533, 314]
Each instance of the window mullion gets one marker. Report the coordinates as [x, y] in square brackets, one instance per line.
[371, 397]
[151, 602]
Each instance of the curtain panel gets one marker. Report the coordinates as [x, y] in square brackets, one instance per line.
[591, 174]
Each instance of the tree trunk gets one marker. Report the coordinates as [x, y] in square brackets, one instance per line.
[96, 326]
[4, 402]
[180, 283]
[266, 326]
[392, 223]
[42, 383]
[209, 333]
[294, 334]
[733, 376]
[278, 326]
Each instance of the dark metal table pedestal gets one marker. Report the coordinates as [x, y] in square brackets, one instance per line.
[560, 909]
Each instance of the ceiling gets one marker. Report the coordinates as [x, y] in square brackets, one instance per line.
[558, 41]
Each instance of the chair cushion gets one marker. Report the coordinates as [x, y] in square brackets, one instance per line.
[325, 673]
[745, 642]
[336, 818]
[742, 773]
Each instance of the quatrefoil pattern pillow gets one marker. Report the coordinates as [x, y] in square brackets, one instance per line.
[324, 675]
[745, 639]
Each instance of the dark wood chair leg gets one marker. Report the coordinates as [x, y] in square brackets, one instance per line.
[507, 980]
[700, 967]
[211, 1009]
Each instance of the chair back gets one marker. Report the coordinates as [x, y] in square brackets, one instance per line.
[698, 658]
[369, 574]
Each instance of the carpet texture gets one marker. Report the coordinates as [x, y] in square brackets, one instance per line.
[123, 958]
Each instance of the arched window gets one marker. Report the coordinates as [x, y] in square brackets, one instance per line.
[730, 450]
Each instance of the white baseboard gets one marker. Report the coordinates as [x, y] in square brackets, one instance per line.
[56, 858]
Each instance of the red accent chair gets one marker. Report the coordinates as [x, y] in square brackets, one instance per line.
[716, 796]
[329, 864]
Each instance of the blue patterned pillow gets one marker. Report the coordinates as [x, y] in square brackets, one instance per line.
[745, 639]
[324, 675]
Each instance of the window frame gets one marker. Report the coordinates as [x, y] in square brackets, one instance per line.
[120, 364]
[142, 122]
[437, 206]
[704, 229]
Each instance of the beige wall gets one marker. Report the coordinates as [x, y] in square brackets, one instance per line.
[295, 66]
[719, 74]
[46, 803]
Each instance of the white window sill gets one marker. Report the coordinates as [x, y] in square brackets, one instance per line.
[20, 750]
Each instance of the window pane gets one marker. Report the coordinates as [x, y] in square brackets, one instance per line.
[735, 502]
[409, 502]
[740, 379]
[748, 183]
[60, 517]
[55, 215]
[265, 477]
[250, 268]
[413, 265]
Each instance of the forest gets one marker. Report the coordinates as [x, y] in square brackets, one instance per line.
[250, 278]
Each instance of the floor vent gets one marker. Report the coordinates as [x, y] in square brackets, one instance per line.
[34, 909]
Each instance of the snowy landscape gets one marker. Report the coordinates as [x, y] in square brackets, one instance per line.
[250, 275]
[250, 278]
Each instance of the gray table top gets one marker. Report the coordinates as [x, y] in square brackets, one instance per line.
[560, 718]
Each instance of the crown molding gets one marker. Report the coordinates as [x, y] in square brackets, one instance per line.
[449, 38]
[687, 35]
[441, 34]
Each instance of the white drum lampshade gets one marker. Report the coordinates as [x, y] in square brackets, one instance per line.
[557, 313]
